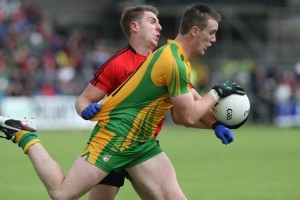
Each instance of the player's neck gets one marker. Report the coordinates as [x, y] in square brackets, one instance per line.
[184, 42]
[141, 48]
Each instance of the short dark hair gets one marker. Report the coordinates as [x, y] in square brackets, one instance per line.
[134, 13]
[197, 15]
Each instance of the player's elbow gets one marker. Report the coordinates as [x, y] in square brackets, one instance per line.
[77, 107]
[188, 123]
[182, 118]
[184, 121]
[176, 121]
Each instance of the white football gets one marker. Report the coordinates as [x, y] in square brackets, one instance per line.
[232, 110]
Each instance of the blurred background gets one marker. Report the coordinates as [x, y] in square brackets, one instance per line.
[49, 50]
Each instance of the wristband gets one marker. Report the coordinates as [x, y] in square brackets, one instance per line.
[214, 94]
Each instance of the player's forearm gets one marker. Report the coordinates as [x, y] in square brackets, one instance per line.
[90, 95]
[80, 104]
[191, 112]
[201, 111]
[208, 120]
[197, 124]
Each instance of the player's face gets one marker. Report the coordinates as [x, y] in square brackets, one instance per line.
[150, 29]
[206, 37]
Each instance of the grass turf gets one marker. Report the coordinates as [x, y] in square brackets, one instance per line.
[262, 163]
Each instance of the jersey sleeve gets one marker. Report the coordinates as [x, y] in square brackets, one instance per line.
[178, 78]
[104, 78]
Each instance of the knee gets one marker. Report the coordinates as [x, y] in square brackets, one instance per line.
[174, 193]
[54, 195]
[166, 193]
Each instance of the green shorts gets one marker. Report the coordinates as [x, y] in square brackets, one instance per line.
[102, 151]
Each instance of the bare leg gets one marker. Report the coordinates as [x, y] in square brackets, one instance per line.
[157, 178]
[82, 176]
[141, 192]
[103, 192]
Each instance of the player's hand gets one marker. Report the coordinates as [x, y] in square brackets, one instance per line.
[223, 133]
[90, 111]
[228, 88]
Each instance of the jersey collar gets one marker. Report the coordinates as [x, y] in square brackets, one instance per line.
[131, 49]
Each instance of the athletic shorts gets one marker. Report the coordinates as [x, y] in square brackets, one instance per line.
[117, 179]
[103, 152]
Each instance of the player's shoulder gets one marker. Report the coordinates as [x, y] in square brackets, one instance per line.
[121, 53]
[115, 59]
[168, 53]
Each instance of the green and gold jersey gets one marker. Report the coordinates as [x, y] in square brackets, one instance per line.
[137, 106]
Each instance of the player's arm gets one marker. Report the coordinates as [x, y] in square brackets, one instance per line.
[188, 111]
[194, 113]
[90, 95]
[208, 119]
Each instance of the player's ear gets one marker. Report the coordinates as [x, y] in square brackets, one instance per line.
[133, 26]
[194, 31]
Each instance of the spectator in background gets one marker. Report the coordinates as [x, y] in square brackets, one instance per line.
[37, 52]
[99, 55]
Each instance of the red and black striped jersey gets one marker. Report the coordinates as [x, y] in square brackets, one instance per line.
[117, 69]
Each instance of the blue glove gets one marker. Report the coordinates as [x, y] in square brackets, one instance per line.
[90, 111]
[223, 133]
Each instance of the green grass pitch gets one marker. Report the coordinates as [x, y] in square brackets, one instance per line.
[263, 163]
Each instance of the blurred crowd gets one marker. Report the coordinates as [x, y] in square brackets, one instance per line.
[41, 56]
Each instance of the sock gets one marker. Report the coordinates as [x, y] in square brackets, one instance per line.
[25, 139]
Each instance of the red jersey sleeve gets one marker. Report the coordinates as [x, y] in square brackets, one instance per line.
[104, 78]
[117, 69]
